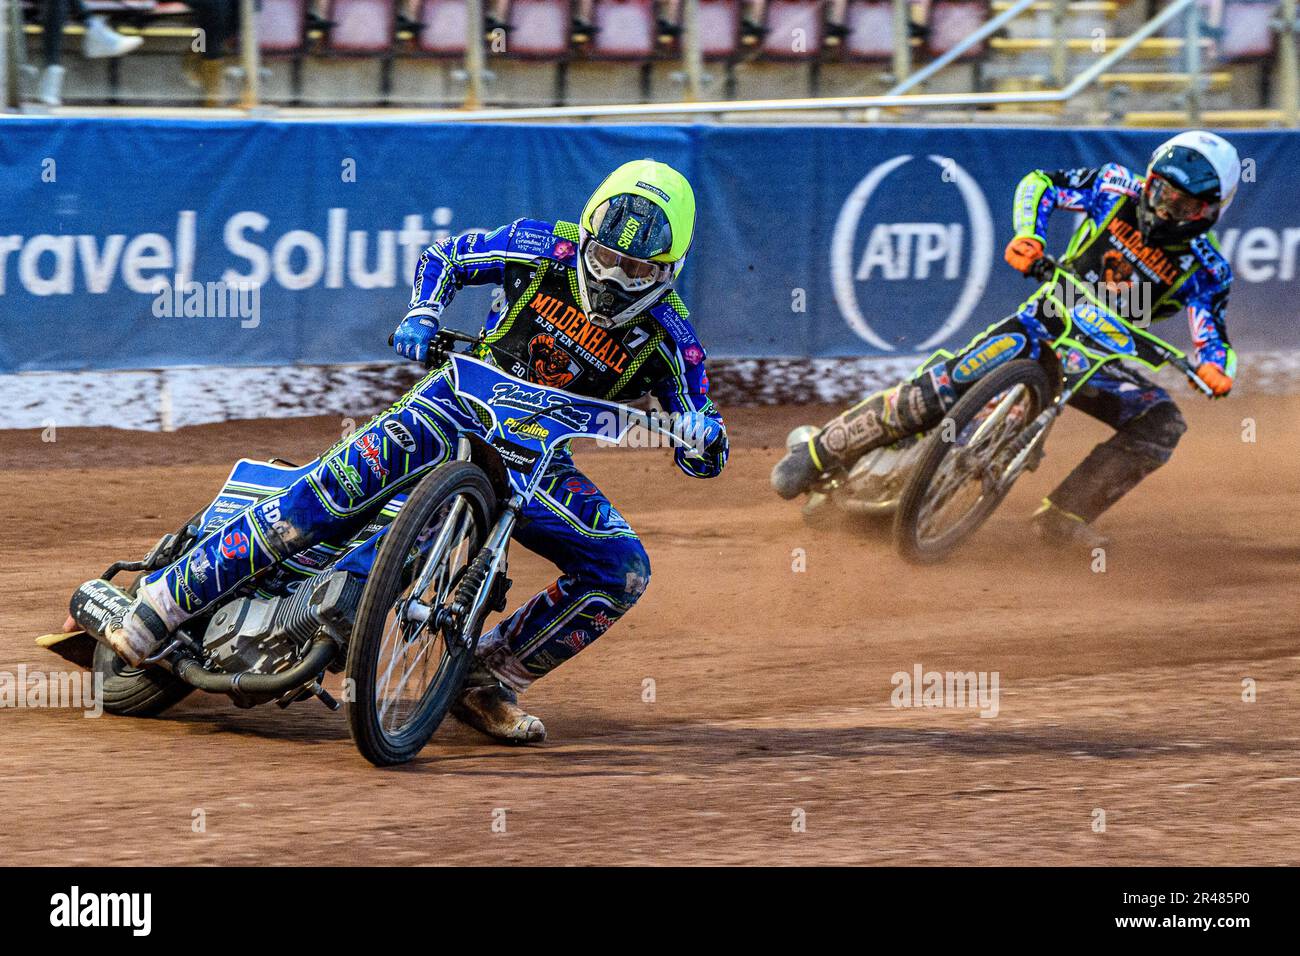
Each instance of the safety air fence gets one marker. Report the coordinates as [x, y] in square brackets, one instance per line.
[160, 273]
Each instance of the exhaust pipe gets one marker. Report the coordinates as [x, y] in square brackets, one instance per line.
[245, 685]
[97, 602]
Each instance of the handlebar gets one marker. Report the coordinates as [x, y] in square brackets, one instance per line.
[663, 425]
[442, 343]
[1045, 268]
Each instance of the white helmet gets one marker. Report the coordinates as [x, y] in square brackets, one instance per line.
[1190, 181]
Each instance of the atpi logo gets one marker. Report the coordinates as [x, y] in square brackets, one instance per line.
[884, 262]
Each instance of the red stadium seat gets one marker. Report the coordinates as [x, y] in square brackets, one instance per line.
[951, 21]
[794, 30]
[1247, 30]
[625, 30]
[442, 28]
[719, 23]
[871, 31]
[539, 29]
[282, 26]
[361, 27]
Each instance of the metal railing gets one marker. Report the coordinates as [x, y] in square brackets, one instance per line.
[892, 99]
[901, 95]
[5, 84]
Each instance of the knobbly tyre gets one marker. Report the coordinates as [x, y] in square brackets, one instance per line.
[942, 484]
[397, 608]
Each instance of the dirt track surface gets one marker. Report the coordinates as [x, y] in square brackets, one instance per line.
[1120, 691]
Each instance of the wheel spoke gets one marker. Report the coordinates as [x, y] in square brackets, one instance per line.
[409, 648]
[971, 463]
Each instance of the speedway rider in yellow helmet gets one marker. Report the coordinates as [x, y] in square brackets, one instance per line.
[588, 307]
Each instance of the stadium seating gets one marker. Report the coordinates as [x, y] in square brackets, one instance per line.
[719, 29]
[624, 30]
[1247, 30]
[795, 29]
[282, 27]
[870, 25]
[442, 28]
[362, 52]
[538, 29]
[360, 27]
[951, 21]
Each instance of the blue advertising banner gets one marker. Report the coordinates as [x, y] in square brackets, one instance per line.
[150, 244]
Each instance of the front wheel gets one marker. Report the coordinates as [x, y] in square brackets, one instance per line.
[405, 668]
[961, 476]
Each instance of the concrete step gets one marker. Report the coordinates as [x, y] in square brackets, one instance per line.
[1107, 7]
[1160, 80]
[1209, 118]
[1081, 19]
[1154, 80]
[1150, 48]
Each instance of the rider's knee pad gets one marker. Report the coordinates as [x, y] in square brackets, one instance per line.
[1155, 433]
[623, 570]
[635, 568]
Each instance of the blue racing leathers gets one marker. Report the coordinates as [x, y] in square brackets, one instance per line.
[536, 330]
[1107, 249]
[1148, 283]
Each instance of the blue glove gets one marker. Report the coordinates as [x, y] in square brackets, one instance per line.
[707, 434]
[412, 338]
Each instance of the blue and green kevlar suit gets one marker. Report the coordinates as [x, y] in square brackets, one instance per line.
[1107, 249]
[538, 331]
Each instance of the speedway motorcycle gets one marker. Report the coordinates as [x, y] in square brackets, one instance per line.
[397, 607]
[941, 485]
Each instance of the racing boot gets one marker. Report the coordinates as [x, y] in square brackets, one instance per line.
[143, 627]
[137, 633]
[1061, 528]
[878, 420]
[796, 472]
[492, 708]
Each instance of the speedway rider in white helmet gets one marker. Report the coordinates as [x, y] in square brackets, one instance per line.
[1144, 239]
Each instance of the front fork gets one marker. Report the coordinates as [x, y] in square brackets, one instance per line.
[1028, 446]
[484, 584]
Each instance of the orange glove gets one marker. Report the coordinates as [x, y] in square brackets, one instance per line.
[1220, 382]
[1022, 252]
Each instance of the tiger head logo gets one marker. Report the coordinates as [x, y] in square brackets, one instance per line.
[1116, 271]
[550, 364]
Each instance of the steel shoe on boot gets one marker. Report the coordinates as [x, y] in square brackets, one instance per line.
[492, 708]
[1060, 528]
[796, 472]
[137, 633]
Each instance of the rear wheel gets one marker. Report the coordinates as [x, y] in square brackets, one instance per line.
[961, 478]
[134, 691]
[406, 669]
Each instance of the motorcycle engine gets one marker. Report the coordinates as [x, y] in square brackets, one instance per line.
[877, 478]
[266, 635]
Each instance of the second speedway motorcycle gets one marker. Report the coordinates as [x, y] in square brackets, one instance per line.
[398, 607]
[941, 485]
